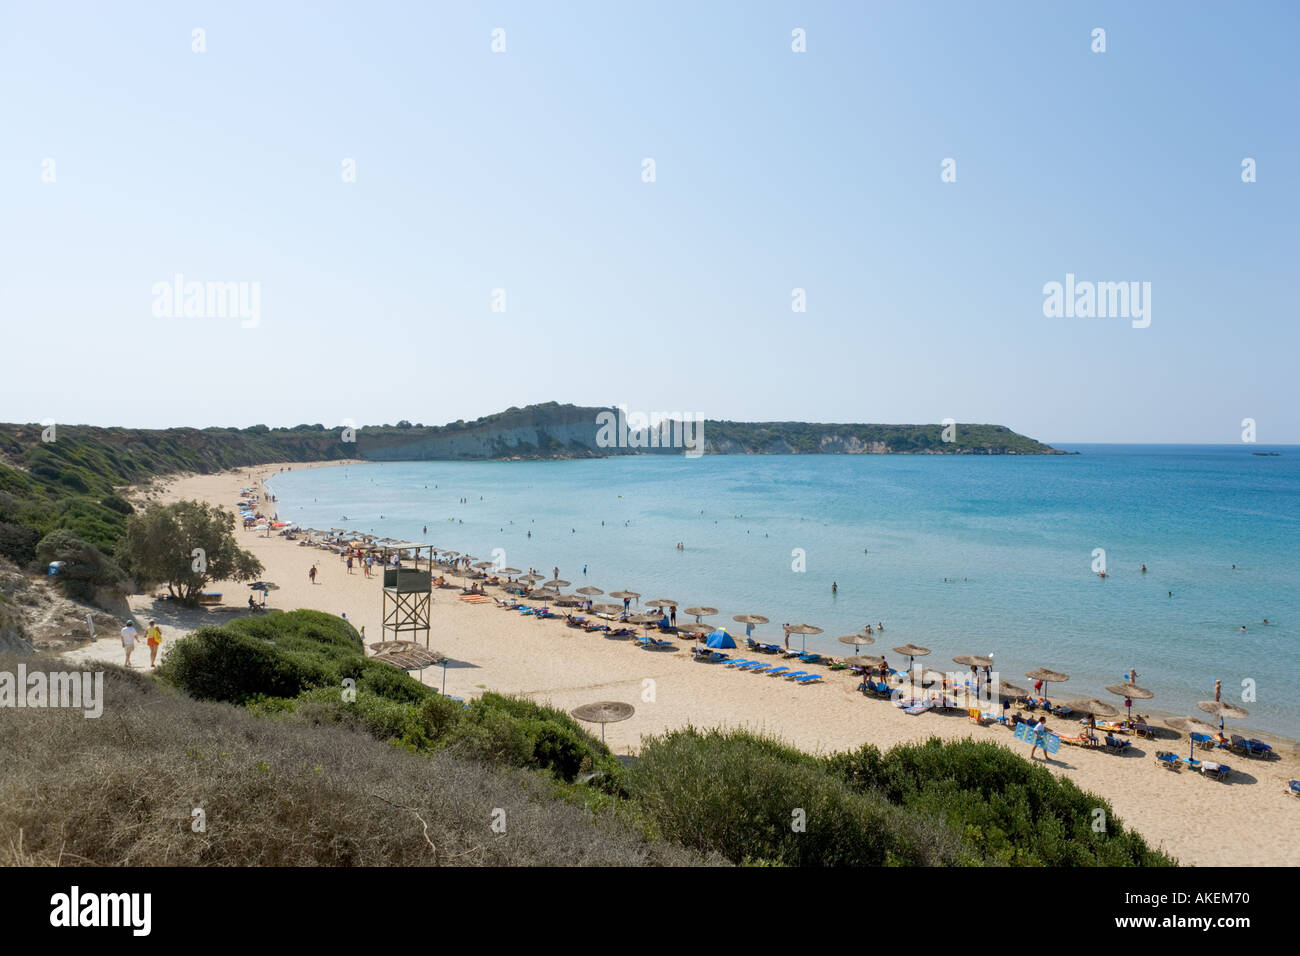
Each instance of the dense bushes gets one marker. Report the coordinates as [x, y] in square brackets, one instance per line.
[85, 567]
[281, 654]
[1013, 812]
[755, 800]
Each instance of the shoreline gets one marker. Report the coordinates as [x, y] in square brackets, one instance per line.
[1250, 821]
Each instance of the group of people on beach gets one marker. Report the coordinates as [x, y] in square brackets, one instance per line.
[152, 635]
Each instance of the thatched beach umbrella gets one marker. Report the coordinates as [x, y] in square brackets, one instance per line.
[557, 583]
[804, 629]
[697, 629]
[700, 612]
[603, 712]
[607, 608]
[1130, 693]
[973, 660]
[1006, 689]
[661, 602]
[1221, 709]
[1093, 707]
[482, 564]
[864, 660]
[1048, 677]
[911, 651]
[857, 640]
[409, 656]
[625, 595]
[531, 578]
[590, 591]
[749, 620]
[1190, 725]
[509, 572]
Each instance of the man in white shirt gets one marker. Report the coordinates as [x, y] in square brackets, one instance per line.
[1040, 733]
[128, 640]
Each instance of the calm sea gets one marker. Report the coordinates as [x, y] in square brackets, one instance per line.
[964, 555]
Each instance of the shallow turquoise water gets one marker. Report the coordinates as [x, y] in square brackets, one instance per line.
[1012, 536]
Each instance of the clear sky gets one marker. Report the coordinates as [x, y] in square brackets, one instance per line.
[774, 170]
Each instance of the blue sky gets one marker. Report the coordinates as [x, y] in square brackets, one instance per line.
[522, 171]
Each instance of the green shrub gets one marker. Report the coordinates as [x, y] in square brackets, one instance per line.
[18, 542]
[755, 800]
[85, 566]
[1013, 812]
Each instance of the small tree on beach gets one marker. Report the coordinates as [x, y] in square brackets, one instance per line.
[185, 545]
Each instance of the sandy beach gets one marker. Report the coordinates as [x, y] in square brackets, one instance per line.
[1247, 821]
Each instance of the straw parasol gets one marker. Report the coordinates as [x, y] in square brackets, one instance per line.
[911, 651]
[661, 602]
[1191, 725]
[699, 630]
[749, 620]
[856, 640]
[607, 608]
[864, 660]
[482, 564]
[407, 655]
[804, 629]
[509, 572]
[531, 578]
[973, 660]
[557, 583]
[1048, 676]
[624, 595]
[1221, 709]
[1130, 693]
[590, 591]
[700, 612]
[1093, 707]
[1006, 689]
[604, 712]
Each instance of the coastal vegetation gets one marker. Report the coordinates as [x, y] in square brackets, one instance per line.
[721, 795]
[184, 545]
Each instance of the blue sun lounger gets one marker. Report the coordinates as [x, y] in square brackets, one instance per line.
[749, 665]
[738, 661]
[808, 679]
[1294, 787]
[762, 668]
[794, 674]
[1170, 761]
[778, 671]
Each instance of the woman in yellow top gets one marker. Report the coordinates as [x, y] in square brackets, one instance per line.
[153, 637]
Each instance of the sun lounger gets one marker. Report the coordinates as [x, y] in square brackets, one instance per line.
[1293, 788]
[738, 661]
[778, 671]
[808, 679]
[1204, 741]
[1142, 729]
[761, 668]
[1218, 771]
[919, 708]
[1238, 745]
[1116, 746]
[795, 674]
[1257, 748]
[1170, 761]
[749, 665]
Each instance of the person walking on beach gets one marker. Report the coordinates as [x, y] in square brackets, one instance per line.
[153, 637]
[349, 563]
[1040, 733]
[311, 575]
[786, 629]
[672, 618]
[129, 634]
[556, 570]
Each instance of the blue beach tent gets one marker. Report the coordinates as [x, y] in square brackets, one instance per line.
[720, 638]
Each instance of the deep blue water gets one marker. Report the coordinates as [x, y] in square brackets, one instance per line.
[1013, 537]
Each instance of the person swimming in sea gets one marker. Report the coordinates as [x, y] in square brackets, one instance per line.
[1144, 569]
[834, 587]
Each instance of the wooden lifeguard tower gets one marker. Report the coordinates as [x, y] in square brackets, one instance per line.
[408, 595]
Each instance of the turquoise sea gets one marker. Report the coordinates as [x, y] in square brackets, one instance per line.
[962, 554]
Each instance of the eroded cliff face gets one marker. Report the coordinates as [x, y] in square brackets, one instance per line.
[571, 431]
